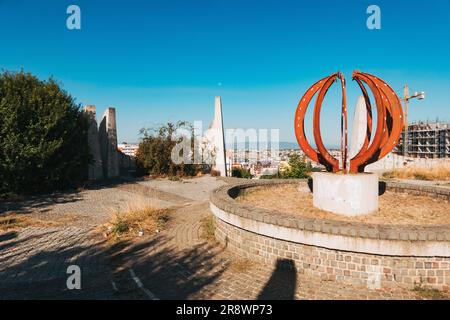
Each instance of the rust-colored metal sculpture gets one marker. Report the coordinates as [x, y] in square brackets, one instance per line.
[389, 123]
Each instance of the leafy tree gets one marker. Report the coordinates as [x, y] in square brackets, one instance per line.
[154, 155]
[298, 168]
[241, 173]
[43, 136]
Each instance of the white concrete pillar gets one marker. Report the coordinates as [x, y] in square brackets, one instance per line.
[219, 139]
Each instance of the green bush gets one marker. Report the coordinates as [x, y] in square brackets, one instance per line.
[155, 149]
[43, 136]
[241, 173]
[271, 176]
[298, 169]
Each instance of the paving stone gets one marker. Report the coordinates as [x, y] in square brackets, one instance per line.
[174, 264]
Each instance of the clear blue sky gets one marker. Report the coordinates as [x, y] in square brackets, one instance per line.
[159, 61]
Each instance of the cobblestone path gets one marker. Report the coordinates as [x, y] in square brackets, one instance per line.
[34, 260]
[181, 265]
[176, 263]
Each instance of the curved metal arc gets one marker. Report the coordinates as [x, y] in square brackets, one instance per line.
[325, 157]
[386, 135]
[391, 131]
[344, 124]
[394, 107]
[300, 116]
[357, 163]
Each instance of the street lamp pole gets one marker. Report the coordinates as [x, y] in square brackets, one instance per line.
[405, 132]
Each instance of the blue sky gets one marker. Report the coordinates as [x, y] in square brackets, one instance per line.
[159, 61]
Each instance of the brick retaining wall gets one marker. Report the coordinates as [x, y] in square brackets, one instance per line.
[412, 255]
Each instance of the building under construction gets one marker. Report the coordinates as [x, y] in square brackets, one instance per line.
[426, 140]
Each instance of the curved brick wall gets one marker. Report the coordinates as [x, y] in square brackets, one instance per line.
[373, 255]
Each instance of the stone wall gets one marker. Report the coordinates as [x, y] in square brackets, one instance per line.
[373, 271]
[96, 167]
[375, 256]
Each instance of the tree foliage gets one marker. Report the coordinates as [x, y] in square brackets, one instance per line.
[43, 136]
[298, 168]
[154, 155]
[241, 173]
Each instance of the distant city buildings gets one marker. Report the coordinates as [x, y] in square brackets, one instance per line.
[426, 141]
[264, 163]
[128, 149]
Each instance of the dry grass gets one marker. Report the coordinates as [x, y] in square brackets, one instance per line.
[215, 173]
[136, 219]
[208, 228]
[438, 172]
[17, 221]
[394, 208]
[431, 294]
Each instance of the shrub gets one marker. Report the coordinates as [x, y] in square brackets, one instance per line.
[43, 136]
[138, 217]
[120, 225]
[271, 176]
[155, 149]
[174, 178]
[241, 173]
[215, 173]
[298, 168]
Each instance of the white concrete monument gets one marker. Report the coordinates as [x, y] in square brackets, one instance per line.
[218, 138]
[359, 127]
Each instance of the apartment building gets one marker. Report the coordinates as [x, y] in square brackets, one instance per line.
[426, 140]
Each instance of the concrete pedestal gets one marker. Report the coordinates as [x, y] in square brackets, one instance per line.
[346, 194]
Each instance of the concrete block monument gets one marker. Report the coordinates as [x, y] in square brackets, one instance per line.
[102, 143]
[108, 143]
[95, 169]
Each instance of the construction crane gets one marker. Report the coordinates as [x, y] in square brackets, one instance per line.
[405, 99]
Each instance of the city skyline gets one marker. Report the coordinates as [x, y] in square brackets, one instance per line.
[157, 62]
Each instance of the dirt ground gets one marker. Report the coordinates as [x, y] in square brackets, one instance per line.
[394, 208]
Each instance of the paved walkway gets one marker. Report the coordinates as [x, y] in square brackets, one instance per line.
[174, 264]
[180, 265]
